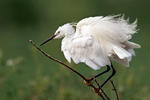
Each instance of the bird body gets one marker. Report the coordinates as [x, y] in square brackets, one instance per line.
[94, 56]
[98, 40]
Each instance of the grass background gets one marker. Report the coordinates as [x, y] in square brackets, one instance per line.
[25, 74]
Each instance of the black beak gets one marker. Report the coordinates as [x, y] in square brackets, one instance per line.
[53, 36]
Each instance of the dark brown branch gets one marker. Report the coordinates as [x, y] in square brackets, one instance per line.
[97, 91]
[102, 90]
[114, 88]
[79, 74]
[54, 59]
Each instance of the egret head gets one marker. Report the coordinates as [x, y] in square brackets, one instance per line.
[62, 31]
[65, 30]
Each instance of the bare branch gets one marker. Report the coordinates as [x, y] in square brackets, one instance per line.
[87, 81]
[97, 91]
[114, 88]
[56, 60]
[102, 90]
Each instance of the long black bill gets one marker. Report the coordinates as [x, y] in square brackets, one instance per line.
[53, 36]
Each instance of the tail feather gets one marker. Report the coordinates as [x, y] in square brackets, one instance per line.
[124, 61]
[130, 45]
[121, 53]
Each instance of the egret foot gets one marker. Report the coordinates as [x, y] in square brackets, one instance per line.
[96, 90]
[88, 82]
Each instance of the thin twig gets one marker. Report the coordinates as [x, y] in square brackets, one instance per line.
[114, 88]
[56, 60]
[102, 90]
[97, 91]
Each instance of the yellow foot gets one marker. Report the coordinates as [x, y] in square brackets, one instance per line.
[88, 82]
[96, 90]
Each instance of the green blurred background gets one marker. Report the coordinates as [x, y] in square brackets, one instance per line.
[25, 74]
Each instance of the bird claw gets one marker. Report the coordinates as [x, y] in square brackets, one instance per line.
[96, 90]
[88, 82]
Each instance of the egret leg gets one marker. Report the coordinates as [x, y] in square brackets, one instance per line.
[113, 73]
[108, 69]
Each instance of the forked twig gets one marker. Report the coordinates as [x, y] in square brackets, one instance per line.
[102, 90]
[114, 88]
[79, 74]
[97, 91]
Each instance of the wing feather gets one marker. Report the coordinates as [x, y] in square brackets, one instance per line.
[85, 49]
[113, 34]
[112, 28]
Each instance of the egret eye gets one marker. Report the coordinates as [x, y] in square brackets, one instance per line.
[58, 32]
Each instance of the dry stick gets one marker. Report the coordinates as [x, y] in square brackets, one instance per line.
[102, 90]
[54, 59]
[114, 88]
[97, 91]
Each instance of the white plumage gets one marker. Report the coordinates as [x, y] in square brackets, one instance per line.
[97, 40]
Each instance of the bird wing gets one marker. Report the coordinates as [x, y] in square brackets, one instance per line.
[84, 49]
[113, 28]
[112, 33]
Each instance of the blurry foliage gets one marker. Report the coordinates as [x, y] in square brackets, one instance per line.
[143, 94]
[14, 62]
[1, 56]
[8, 66]
[27, 75]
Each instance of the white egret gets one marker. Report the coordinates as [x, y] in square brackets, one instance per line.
[98, 40]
